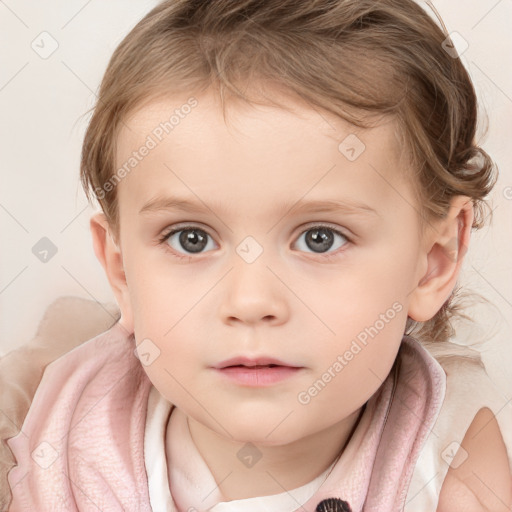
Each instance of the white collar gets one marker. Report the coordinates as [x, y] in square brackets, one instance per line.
[187, 467]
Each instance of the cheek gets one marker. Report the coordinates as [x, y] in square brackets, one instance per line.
[161, 329]
[349, 376]
[158, 295]
[173, 363]
[362, 297]
[368, 320]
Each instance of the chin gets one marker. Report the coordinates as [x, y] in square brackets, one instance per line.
[272, 431]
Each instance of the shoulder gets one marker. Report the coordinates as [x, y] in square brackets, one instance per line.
[479, 478]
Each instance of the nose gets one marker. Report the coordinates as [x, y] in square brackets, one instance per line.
[253, 293]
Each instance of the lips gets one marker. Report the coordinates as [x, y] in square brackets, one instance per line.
[256, 372]
[254, 363]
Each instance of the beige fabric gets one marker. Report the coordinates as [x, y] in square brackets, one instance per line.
[468, 389]
[67, 322]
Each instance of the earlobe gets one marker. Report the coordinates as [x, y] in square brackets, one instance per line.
[110, 257]
[447, 245]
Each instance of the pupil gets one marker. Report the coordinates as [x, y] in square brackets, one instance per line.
[192, 240]
[319, 240]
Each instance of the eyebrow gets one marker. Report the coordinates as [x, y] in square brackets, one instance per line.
[163, 204]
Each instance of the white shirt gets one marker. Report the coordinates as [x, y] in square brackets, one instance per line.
[158, 415]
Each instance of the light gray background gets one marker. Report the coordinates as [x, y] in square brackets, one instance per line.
[42, 102]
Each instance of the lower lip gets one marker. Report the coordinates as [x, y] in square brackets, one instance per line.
[258, 377]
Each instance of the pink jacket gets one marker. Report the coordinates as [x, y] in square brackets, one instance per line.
[81, 446]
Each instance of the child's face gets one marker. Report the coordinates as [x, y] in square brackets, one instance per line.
[256, 287]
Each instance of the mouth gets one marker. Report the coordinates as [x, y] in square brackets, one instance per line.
[253, 363]
[257, 372]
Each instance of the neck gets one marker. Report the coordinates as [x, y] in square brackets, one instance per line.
[280, 467]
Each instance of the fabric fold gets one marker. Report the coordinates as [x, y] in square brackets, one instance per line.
[81, 444]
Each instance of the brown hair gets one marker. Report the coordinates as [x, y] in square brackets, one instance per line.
[355, 58]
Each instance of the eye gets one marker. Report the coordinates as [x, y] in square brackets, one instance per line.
[190, 238]
[187, 240]
[322, 238]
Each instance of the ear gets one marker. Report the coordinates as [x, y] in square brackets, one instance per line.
[447, 244]
[110, 257]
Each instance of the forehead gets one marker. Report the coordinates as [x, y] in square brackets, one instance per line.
[262, 152]
[181, 115]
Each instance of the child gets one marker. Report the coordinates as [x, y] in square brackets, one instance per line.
[264, 371]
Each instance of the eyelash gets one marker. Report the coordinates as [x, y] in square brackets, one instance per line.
[167, 234]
